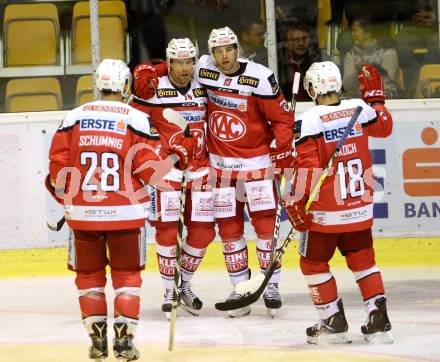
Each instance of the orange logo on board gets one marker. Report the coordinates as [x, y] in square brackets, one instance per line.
[421, 167]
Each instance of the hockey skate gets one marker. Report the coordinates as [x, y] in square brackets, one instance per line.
[98, 351]
[377, 328]
[241, 312]
[272, 299]
[188, 300]
[167, 303]
[123, 344]
[332, 330]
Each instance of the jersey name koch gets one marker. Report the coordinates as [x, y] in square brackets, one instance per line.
[104, 125]
[334, 134]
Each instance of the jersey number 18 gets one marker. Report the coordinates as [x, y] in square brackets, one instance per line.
[356, 186]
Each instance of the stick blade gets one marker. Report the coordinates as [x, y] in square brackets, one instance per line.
[237, 303]
[295, 85]
[51, 225]
[174, 117]
[249, 286]
[55, 226]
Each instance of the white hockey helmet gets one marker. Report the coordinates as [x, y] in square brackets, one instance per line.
[112, 75]
[324, 77]
[182, 48]
[220, 37]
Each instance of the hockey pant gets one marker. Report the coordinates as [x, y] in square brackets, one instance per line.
[229, 202]
[357, 248]
[199, 221]
[88, 258]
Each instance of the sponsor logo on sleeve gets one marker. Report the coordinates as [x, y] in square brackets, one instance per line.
[209, 74]
[274, 84]
[246, 80]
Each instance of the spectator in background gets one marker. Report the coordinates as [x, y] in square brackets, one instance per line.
[251, 36]
[297, 56]
[366, 49]
[297, 12]
[418, 41]
[380, 12]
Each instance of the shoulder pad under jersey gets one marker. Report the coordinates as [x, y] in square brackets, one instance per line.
[140, 123]
[267, 82]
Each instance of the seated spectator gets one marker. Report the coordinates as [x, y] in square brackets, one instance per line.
[251, 35]
[380, 12]
[418, 41]
[297, 56]
[366, 49]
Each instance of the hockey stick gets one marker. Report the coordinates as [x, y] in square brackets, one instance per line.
[55, 226]
[295, 87]
[281, 186]
[174, 117]
[253, 288]
[276, 230]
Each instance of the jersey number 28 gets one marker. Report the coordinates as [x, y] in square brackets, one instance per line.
[109, 176]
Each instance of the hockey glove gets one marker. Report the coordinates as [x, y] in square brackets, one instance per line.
[184, 148]
[300, 219]
[51, 188]
[371, 85]
[281, 158]
[146, 78]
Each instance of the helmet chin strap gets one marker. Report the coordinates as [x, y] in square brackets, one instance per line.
[311, 96]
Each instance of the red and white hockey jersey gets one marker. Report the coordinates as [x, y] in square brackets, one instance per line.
[345, 200]
[191, 105]
[107, 148]
[246, 111]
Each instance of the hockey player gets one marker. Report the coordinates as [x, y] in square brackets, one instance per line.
[245, 113]
[341, 216]
[179, 91]
[100, 157]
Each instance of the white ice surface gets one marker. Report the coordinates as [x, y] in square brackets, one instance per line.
[45, 310]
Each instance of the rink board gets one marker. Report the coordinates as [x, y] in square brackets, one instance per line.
[407, 165]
